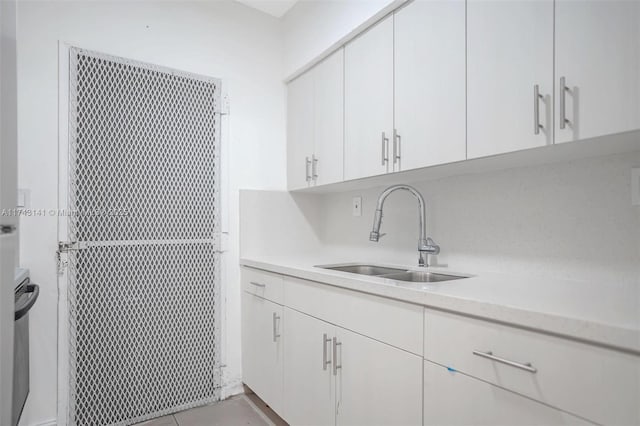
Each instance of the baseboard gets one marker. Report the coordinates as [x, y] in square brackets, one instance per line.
[231, 389]
[51, 422]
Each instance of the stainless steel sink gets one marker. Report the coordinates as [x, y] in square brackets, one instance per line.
[421, 277]
[393, 273]
[364, 269]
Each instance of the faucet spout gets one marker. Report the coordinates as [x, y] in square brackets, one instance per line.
[425, 244]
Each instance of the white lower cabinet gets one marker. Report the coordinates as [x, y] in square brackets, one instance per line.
[377, 384]
[262, 348]
[589, 381]
[332, 356]
[453, 398]
[336, 376]
[309, 385]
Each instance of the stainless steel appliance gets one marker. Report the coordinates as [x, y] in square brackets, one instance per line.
[26, 295]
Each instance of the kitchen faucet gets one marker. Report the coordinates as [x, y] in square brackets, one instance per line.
[426, 245]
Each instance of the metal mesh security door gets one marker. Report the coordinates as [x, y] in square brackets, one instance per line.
[143, 277]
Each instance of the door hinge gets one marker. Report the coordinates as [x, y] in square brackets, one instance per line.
[66, 247]
[223, 105]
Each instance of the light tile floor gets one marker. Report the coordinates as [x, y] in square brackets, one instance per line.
[240, 410]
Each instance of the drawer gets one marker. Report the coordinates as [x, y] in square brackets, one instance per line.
[598, 384]
[396, 323]
[264, 284]
[456, 399]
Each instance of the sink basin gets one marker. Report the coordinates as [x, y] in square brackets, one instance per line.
[421, 277]
[364, 269]
[396, 274]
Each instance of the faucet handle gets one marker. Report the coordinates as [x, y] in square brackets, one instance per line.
[429, 246]
[375, 236]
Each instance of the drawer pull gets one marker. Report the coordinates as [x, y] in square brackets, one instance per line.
[257, 284]
[489, 355]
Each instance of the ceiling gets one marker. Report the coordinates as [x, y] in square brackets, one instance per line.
[275, 8]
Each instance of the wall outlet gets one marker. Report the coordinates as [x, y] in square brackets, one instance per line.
[635, 186]
[357, 206]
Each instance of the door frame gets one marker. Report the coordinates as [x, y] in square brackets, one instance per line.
[62, 232]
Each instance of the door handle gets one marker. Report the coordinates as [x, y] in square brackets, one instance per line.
[397, 141]
[306, 165]
[536, 110]
[563, 102]
[385, 149]
[314, 167]
[336, 366]
[276, 318]
[325, 361]
[7, 229]
[22, 309]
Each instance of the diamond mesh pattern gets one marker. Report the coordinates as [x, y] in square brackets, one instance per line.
[143, 295]
[144, 146]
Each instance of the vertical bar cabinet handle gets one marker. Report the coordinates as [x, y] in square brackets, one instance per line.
[275, 327]
[385, 149]
[314, 167]
[397, 146]
[563, 103]
[536, 110]
[325, 361]
[306, 166]
[335, 356]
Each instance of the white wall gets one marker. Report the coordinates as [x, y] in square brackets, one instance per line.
[222, 39]
[312, 26]
[571, 220]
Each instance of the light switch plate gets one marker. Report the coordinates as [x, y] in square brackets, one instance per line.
[23, 201]
[635, 186]
[357, 206]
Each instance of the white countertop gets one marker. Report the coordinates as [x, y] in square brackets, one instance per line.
[604, 313]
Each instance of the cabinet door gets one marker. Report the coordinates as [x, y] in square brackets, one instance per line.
[377, 384]
[262, 349]
[510, 51]
[598, 53]
[452, 398]
[329, 119]
[300, 123]
[429, 84]
[308, 382]
[368, 101]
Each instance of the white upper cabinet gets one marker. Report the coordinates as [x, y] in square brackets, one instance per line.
[315, 125]
[369, 101]
[300, 123]
[440, 81]
[598, 58]
[329, 119]
[429, 84]
[509, 55]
